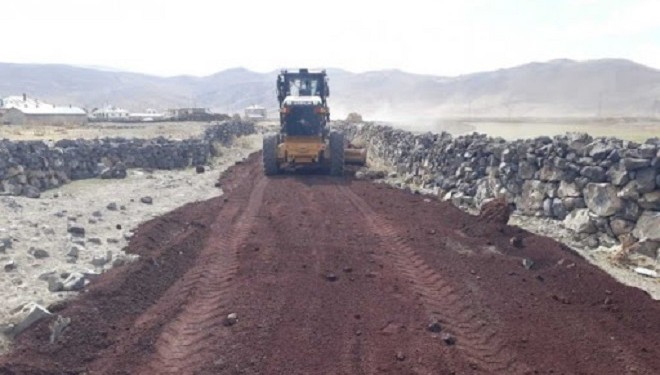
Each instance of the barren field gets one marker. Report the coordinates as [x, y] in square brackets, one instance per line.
[108, 210]
[515, 129]
[171, 130]
[319, 275]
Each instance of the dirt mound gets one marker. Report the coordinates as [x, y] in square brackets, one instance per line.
[496, 211]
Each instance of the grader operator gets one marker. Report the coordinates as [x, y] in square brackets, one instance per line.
[304, 140]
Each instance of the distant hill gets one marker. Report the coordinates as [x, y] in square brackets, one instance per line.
[607, 87]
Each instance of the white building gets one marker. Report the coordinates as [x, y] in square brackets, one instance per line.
[148, 115]
[109, 113]
[22, 110]
[255, 112]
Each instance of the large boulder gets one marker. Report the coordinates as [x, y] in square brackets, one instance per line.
[526, 170]
[647, 248]
[630, 211]
[550, 172]
[593, 173]
[648, 226]
[533, 194]
[645, 179]
[618, 174]
[632, 164]
[572, 203]
[580, 221]
[650, 201]
[601, 198]
[630, 191]
[620, 226]
[568, 189]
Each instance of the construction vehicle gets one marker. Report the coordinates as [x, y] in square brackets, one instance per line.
[304, 140]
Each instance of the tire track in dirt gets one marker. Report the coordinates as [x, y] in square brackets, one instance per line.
[476, 338]
[182, 343]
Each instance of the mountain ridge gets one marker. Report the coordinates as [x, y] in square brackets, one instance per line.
[559, 87]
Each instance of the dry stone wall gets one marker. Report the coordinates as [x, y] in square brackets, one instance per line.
[29, 167]
[605, 189]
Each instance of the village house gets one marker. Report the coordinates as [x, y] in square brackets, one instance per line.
[109, 113]
[23, 110]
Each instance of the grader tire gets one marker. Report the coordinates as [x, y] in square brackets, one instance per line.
[270, 155]
[336, 154]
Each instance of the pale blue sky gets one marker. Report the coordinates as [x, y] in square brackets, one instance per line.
[201, 37]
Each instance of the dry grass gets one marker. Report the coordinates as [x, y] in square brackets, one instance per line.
[173, 130]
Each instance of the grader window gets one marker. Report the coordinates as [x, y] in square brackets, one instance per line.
[304, 87]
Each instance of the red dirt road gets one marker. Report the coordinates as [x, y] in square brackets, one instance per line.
[334, 276]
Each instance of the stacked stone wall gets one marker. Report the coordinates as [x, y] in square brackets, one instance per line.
[605, 189]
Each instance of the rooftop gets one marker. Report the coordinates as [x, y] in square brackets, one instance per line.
[34, 106]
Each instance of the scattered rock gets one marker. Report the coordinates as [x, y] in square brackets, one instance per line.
[35, 314]
[31, 192]
[74, 251]
[98, 261]
[448, 339]
[331, 276]
[73, 283]
[434, 326]
[95, 240]
[516, 241]
[38, 253]
[10, 266]
[112, 206]
[646, 272]
[527, 263]
[230, 320]
[57, 327]
[76, 230]
[400, 356]
[55, 286]
[117, 171]
[200, 169]
[6, 242]
[147, 200]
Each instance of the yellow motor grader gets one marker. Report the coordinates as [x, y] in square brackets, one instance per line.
[304, 140]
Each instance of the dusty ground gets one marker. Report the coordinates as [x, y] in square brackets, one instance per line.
[517, 128]
[604, 257]
[171, 130]
[42, 223]
[334, 276]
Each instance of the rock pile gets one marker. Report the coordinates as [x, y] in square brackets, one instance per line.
[29, 167]
[600, 187]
